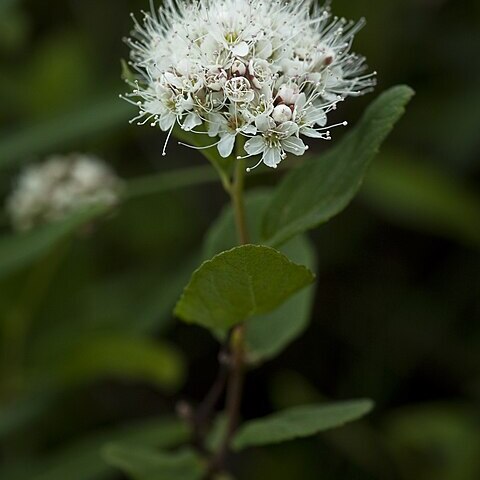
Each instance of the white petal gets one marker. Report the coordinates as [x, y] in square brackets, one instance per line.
[240, 50]
[167, 120]
[301, 101]
[294, 145]
[250, 130]
[264, 123]
[272, 157]
[255, 145]
[287, 129]
[264, 48]
[225, 147]
[248, 97]
[172, 79]
[311, 132]
[317, 116]
[215, 123]
[191, 121]
[186, 103]
[155, 107]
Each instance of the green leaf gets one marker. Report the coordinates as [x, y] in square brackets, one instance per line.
[149, 464]
[267, 335]
[322, 187]
[420, 196]
[82, 460]
[116, 356]
[299, 422]
[238, 284]
[19, 250]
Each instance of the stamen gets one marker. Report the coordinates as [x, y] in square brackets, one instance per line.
[193, 147]
[249, 169]
[164, 151]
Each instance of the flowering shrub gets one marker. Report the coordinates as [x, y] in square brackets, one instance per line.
[256, 77]
[235, 79]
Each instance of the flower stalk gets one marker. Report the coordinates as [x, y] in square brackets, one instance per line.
[236, 195]
[236, 377]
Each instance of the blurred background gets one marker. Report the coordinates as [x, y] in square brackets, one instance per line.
[90, 352]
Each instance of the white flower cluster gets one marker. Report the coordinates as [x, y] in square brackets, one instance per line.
[267, 70]
[52, 190]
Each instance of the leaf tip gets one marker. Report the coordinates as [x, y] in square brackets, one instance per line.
[368, 405]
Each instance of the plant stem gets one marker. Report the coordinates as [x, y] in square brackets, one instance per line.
[235, 383]
[205, 410]
[237, 338]
[236, 194]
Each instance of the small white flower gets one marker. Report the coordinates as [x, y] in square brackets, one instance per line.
[275, 141]
[239, 90]
[228, 66]
[215, 78]
[260, 72]
[307, 117]
[227, 127]
[51, 191]
[288, 93]
[262, 104]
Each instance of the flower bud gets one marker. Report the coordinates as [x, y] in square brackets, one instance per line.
[215, 78]
[288, 94]
[238, 68]
[282, 113]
